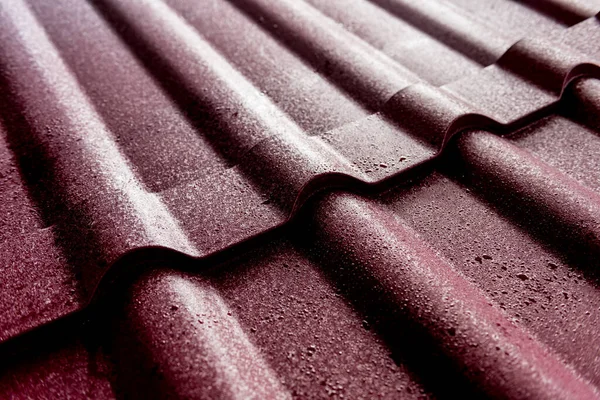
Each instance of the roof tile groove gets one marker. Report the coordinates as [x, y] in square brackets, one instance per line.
[514, 19]
[230, 366]
[570, 207]
[366, 178]
[584, 102]
[568, 12]
[95, 181]
[365, 72]
[430, 59]
[462, 32]
[428, 289]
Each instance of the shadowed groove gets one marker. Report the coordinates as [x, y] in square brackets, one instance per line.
[256, 119]
[549, 203]
[313, 101]
[236, 114]
[447, 24]
[429, 58]
[568, 12]
[160, 143]
[583, 103]
[360, 69]
[498, 357]
[61, 120]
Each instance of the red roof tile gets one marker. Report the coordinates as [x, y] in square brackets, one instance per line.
[257, 199]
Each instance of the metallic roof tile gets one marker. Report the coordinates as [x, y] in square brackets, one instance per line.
[254, 199]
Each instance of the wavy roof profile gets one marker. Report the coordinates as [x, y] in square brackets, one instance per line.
[276, 199]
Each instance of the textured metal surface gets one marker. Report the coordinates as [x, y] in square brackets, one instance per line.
[258, 199]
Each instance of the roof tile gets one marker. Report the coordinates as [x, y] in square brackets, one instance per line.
[257, 199]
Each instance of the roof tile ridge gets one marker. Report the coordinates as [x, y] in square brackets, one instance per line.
[82, 156]
[184, 323]
[406, 274]
[537, 65]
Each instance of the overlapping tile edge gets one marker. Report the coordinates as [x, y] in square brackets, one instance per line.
[136, 219]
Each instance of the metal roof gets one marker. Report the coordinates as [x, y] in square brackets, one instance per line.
[320, 198]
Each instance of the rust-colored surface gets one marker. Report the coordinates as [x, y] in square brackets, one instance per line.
[275, 199]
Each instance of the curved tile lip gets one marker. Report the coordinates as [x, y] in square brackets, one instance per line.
[473, 121]
[331, 181]
[467, 121]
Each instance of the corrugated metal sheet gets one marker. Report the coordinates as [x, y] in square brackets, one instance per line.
[273, 199]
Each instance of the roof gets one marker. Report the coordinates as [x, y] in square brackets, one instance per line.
[257, 199]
